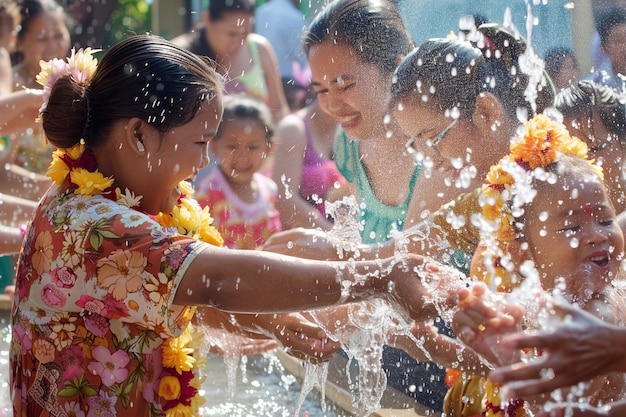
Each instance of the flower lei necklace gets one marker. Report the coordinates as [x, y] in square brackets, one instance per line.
[179, 385]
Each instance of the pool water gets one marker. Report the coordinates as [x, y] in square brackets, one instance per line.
[262, 389]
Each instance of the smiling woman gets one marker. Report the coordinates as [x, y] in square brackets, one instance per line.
[246, 59]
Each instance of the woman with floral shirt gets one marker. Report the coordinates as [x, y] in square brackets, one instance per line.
[118, 255]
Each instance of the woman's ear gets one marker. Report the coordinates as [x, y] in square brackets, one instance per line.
[136, 135]
[205, 17]
[488, 113]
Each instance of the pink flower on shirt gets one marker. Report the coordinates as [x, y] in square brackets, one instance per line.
[63, 277]
[52, 296]
[110, 367]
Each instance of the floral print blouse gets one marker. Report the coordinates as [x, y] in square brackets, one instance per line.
[93, 304]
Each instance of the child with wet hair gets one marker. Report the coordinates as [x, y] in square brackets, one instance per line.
[242, 200]
[547, 223]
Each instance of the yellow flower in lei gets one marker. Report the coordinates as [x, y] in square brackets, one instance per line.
[190, 219]
[177, 354]
[90, 183]
[80, 166]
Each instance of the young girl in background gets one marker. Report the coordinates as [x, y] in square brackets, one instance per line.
[241, 199]
[247, 59]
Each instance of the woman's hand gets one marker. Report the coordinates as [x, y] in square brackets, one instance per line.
[302, 338]
[579, 349]
[423, 288]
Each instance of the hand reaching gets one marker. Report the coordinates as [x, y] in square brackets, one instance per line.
[422, 287]
[302, 338]
[482, 320]
[579, 349]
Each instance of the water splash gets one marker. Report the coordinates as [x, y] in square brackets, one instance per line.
[345, 234]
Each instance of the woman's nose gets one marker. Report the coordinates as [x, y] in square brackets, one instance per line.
[333, 103]
[595, 234]
[204, 161]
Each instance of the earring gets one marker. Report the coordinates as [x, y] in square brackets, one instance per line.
[140, 146]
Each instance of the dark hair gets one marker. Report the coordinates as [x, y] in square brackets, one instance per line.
[9, 16]
[452, 73]
[237, 107]
[143, 76]
[555, 58]
[578, 101]
[607, 20]
[217, 8]
[373, 28]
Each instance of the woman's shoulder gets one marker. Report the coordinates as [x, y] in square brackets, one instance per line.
[291, 127]
[189, 40]
[259, 40]
[263, 46]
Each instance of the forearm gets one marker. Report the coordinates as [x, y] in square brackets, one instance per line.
[15, 211]
[19, 110]
[241, 324]
[10, 240]
[256, 281]
[21, 182]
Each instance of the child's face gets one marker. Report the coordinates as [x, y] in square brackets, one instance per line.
[573, 236]
[241, 149]
[615, 48]
[351, 91]
[567, 74]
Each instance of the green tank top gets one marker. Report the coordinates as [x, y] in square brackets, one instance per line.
[377, 218]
